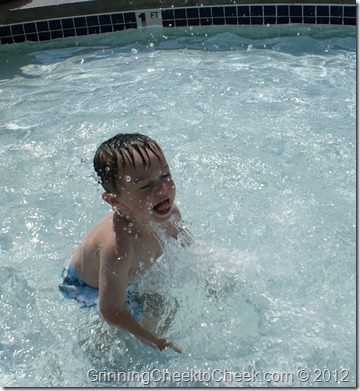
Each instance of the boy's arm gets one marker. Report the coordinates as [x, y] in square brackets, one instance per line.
[113, 277]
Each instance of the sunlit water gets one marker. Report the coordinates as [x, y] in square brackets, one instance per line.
[259, 132]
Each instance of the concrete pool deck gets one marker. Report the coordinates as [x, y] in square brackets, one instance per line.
[20, 11]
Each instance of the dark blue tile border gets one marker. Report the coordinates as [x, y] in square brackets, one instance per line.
[46, 30]
[257, 14]
[260, 15]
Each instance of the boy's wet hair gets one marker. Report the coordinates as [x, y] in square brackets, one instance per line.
[115, 153]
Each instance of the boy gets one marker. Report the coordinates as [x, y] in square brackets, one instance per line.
[138, 185]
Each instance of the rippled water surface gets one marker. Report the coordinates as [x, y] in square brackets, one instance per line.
[258, 127]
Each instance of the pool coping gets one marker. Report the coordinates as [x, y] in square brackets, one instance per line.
[45, 20]
[20, 11]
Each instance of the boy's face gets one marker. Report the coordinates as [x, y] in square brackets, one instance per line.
[147, 193]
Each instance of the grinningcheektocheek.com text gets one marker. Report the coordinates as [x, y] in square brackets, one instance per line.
[166, 377]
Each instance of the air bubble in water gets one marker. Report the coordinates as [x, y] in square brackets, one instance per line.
[127, 178]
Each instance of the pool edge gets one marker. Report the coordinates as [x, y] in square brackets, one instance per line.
[44, 20]
[21, 11]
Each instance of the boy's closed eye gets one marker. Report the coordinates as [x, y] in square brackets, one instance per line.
[144, 187]
[147, 185]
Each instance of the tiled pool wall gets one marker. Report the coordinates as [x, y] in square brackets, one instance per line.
[244, 14]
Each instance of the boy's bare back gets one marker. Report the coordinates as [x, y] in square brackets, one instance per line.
[110, 239]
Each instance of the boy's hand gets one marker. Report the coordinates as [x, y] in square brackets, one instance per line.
[162, 344]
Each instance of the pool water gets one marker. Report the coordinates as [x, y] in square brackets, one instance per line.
[259, 130]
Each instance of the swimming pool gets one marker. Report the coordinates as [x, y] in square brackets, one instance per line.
[259, 131]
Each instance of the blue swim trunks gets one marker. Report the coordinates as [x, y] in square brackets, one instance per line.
[72, 287]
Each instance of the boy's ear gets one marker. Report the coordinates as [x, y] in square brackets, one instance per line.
[110, 199]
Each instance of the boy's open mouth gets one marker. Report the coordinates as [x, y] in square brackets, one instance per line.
[163, 207]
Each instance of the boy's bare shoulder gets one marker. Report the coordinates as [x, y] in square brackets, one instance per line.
[176, 212]
[113, 241]
[171, 225]
[105, 243]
